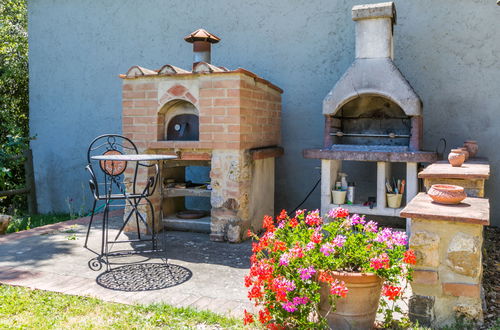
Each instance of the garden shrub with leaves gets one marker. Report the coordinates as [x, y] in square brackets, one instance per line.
[296, 253]
[13, 95]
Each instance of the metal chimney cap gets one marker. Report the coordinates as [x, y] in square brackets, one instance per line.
[201, 35]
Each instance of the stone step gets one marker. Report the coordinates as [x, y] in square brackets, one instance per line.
[202, 225]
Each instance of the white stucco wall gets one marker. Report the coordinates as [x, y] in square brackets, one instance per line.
[447, 49]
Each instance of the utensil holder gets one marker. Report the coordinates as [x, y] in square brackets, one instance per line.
[338, 196]
[394, 200]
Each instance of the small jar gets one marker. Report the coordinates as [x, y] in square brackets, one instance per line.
[456, 157]
[472, 147]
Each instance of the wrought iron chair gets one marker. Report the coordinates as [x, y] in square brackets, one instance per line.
[111, 181]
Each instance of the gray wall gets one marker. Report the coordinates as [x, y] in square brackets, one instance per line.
[447, 49]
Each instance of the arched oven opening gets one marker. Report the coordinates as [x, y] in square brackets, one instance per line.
[180, 122]
[371, 120]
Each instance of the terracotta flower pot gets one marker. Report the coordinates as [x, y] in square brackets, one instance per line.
[4, 223]
[359, 308]
[456, 157]
[472, 147]
[447, 193]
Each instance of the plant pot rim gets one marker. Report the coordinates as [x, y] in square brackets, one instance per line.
[352, 274]
[447, 188]
[356, 277]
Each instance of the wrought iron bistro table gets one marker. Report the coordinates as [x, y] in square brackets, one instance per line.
[114, 161]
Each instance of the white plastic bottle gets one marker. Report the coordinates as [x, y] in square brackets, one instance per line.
[343, 181]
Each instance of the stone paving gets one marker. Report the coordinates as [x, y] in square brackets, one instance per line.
[201, 274]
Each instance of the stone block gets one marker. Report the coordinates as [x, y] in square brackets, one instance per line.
[462, 290]
[224, 213]
[426, 277]
[463, 255]
[426, 246]
[469, 308]
[234, 234]
[421, 309]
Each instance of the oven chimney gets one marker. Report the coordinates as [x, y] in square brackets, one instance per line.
[374, 29]
[201, 40]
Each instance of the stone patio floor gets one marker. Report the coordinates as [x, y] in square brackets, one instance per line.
[200, 273]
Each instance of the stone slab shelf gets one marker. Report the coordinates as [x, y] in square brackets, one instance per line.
[202, 225]
[180, 192]
[474, 168]
[470, 210]
[471, 175]
[366, 210]
[371, 154]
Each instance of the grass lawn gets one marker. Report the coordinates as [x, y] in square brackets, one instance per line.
[26, 222]
[26, 308]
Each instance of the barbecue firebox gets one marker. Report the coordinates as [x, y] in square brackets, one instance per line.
[372, 113]
[227, 120]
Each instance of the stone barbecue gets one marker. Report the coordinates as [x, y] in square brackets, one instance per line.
[228, 120]
[372, 113]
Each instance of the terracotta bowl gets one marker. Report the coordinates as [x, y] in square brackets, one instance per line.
[191, 214]
[447, 193]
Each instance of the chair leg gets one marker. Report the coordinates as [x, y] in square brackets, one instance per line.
[90, 224]
[153, 232]
[137, 223]
[104, 229]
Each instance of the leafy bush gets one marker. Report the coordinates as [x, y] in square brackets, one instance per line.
[13, 96]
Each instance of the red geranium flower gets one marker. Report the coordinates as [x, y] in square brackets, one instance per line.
[409, 257]
[391, 292]
[326, 277]
[264, 316]
[268, 223]
[338, 289]
[381, 262]
[279, 246]
[283, 215]
[248, 318]
[316, 237]
[255, 292]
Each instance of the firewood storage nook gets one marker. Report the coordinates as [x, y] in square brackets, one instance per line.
[372, 114]
[209, 116]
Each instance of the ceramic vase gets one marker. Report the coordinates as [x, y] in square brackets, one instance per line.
[359, 308]
[456, 157]
[472, 147]
[447, 193]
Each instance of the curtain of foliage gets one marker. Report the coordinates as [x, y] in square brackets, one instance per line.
[13, 94]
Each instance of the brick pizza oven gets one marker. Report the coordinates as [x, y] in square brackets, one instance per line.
[228, 120]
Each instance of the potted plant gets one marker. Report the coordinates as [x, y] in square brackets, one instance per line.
[309, 272]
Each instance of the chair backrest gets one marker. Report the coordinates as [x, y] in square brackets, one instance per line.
[111, 170]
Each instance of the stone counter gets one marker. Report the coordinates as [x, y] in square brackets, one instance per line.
[447, 240]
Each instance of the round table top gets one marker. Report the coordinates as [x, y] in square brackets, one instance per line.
[134, 157]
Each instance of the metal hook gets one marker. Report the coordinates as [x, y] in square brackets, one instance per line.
[441, 154]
